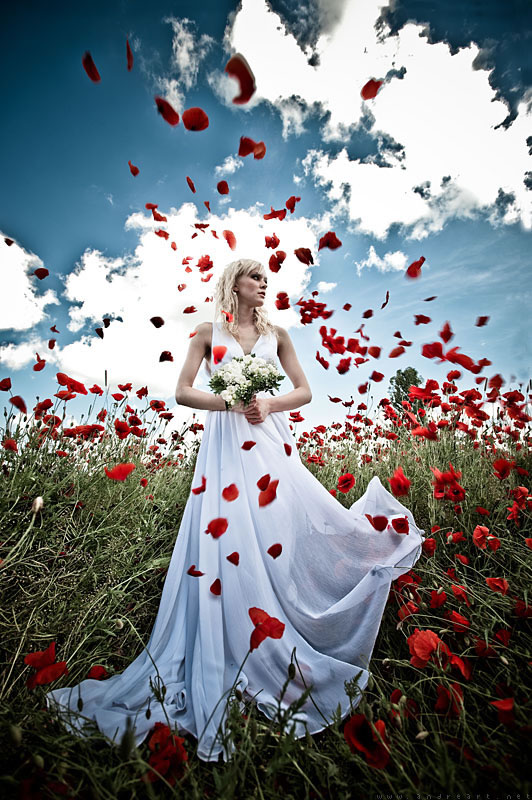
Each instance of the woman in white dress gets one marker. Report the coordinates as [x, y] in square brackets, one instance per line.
[328, 586]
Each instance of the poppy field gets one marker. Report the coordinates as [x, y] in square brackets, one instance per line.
[89, 520]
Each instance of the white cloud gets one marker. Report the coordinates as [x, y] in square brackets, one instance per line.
[324, 287]
[188, 51]
[20, 305]
[441, 152]
[229, 166]
[389, 262]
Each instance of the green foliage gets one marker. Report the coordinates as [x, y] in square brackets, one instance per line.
[400, 384]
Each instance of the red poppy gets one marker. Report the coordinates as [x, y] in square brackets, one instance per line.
[168, 755]
[97, 672]
[275, 550]
[10, 444]
[217, 527]
[166, 111]
[362, 739]
[498, 585]
[90, 67]
[346, 482]
[370, 89]
[5, 384]
[119, 472]
[399, 483]
[46, 670]
[195, 119]
[237, 67]
[223, 187]
[264, 626]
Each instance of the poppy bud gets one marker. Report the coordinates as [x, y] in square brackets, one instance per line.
[370, 682]
[38, 760]
[15, 731]
[37, 504]
[119, 624]
[504, 660]
[80, 704]
[238, 695]
[421, 735]
[291, 671]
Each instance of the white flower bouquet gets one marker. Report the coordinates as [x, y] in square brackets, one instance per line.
[244, 376]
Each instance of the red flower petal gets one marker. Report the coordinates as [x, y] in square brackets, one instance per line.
[41, 658]
[97, 672]
[134, 170]
[330, 240]
[201, 488]
[379, 522]
[90, 67]
[217, 527]
[129, 56]
[275, 550]
[234, 558]
[230, 492]
[248, 445]
[195, 119]
[291, 203]
[216, 587]
[218, 352]
[223, 187]
[414, 270]
[370, 89]
[191, 184]
[269, 494]
[304, 255]
[230, 238]
[167, 111]
[248, 146]
[157, 321]
[194, 572]
[238, 68]
[41, 272]
[19, 403]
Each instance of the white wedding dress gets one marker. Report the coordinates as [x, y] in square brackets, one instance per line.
[328, 586]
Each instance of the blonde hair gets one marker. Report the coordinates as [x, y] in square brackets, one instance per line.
[227, 300]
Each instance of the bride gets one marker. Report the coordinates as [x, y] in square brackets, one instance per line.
[325, 583]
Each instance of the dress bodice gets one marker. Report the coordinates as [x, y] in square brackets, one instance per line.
[265, 347]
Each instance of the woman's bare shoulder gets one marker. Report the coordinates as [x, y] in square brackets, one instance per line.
[204, 332]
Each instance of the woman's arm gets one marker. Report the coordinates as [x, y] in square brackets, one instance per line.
[301, 393]
[185, 394]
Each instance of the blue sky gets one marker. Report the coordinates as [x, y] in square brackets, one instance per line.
[435, 165]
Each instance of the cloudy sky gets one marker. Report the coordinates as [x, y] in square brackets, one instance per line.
[436, 165]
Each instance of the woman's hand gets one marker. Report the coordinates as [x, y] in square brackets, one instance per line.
[240, 407]
[258, 409]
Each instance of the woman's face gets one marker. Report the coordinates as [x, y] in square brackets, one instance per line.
[251, 288]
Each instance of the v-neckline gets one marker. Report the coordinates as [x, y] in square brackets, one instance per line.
[252, 349]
